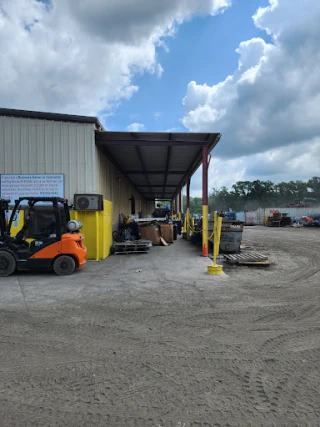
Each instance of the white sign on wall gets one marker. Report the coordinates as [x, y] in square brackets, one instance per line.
[14, 186]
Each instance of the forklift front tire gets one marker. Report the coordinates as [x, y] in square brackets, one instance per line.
[64, 265]
[8, 264]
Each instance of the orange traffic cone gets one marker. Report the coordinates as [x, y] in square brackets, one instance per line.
[204, 250]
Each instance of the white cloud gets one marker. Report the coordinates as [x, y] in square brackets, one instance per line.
[293, 162]
[133, 21]
[81, 57]
[136, 127]
[268, 109]
[272, 100]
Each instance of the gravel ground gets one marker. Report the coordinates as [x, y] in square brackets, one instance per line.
[151, 340]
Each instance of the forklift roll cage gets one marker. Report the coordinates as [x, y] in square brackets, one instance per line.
[31, 203]
[54, 247]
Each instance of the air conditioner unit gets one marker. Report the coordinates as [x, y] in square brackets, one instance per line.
[88, 202]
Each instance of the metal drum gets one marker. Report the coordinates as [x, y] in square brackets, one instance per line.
[231, 236]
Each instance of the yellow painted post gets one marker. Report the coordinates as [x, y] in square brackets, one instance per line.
[205, 226]
[188, 224]
[99, 230]
[106, 230]
[215, 268]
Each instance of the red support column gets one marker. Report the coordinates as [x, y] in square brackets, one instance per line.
[188, 193]
[188, 210]
[205, 211]
[205, 176]
[176, 204]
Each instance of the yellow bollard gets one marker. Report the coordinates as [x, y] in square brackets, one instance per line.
[184, 228]
[215, 268]
[188, 224]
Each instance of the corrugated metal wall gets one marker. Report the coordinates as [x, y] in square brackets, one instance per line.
[44, 146]
[114, 187]
[149, 208]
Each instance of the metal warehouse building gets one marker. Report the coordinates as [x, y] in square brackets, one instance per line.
[129, 170]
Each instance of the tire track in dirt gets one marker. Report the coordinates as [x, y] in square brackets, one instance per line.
[144, 350]
[296, 341]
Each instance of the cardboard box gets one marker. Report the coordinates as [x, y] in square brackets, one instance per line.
[167, 232]
[151, 232]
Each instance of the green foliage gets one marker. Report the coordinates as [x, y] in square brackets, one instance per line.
[195, 205]
[247, 195]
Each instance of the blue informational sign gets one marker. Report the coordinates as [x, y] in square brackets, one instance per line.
[34, 185]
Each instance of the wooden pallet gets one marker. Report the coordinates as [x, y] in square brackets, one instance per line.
[132, 247]
[251, 258]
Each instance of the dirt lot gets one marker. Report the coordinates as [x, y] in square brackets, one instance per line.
[153, 341]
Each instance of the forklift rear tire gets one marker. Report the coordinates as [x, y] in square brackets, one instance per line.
[64, 265]
[8, 264]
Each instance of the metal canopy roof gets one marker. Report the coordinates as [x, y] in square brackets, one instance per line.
[157, 164]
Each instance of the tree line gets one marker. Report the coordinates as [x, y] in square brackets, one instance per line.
[251, 195]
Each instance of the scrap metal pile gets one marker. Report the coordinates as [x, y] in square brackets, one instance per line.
[278, 219]
[307, 221]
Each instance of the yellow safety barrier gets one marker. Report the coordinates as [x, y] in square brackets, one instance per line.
[184, 227]
[97, 230]
[215, 268]
[188, 224]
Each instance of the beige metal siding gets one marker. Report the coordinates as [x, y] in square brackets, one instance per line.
[149, 208]
[43, 146]
[114, 187]
[46, 147]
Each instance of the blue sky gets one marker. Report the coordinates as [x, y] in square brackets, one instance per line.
[90, 60]
[203, 50]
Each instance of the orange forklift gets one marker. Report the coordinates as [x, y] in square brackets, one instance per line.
[58, 246]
